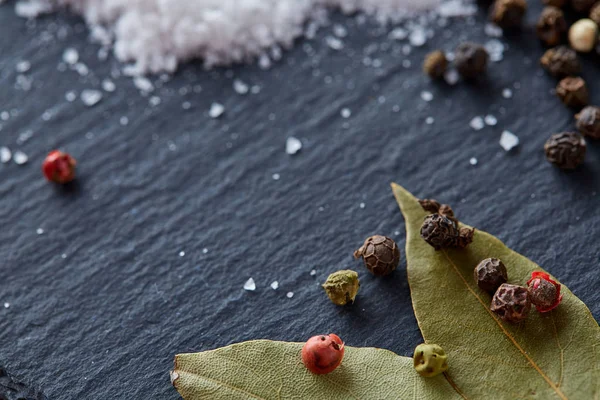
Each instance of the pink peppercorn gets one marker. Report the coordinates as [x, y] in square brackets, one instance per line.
[59, 167]
[543, 292]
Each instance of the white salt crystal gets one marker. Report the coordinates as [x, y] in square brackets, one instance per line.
[292, 145]
[473, 161]
[492, 30]
[4, 115]
[143, 84]
[275, 285]
[90, 97]
[507, 93]
[451, 77]
[108, 85]
[398, 34]
[240, 87]
[264, 62]
[345, 113]
[154, 101]
[186, 105]
[32, 8]
[124, 121]
[250, 285]
[70, 96]
[70, 56]
[276, 177]
[477, 123]
[313, 272]
[426, 96]
[490, 120]
[204, 250]
[362, 205]
[508, 140]
[5, 155]
[334, 43]
[429, 120]
[82, 69]
[20, 158]
[417, 37]
[181, 253]
[216, 110]
[24, 136]
[340, 31]
[290, 295]
[39, 231]
[6, 305]
[495, 49]
[23, 66]
[456, 8]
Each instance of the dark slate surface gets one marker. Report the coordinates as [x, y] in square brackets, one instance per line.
[101, 301]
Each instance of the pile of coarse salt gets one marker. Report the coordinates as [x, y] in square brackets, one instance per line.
[156, 35]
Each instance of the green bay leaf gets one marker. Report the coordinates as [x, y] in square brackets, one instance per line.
[264, 369]
[555, 355]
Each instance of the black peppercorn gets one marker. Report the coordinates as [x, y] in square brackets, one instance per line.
[573, 92]
[380, 254]
[490, 274]
[595, 13]
[551, 26]
[435, 64]
[508, 14]
[511, 303]
[555, 3]
[582, 6]
[430, 205]
[439, 231]
[561, 61]
[566, 150]
[470, 60]
[588, 122]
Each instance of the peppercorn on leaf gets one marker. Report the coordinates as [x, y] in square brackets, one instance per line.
[555, 355]
[264, 369]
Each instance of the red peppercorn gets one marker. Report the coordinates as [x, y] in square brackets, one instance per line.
[59, 167]
[323, 353]
[544, 293]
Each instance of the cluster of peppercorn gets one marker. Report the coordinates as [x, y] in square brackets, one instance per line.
[440, 229]
[512, 302]
[567, 149]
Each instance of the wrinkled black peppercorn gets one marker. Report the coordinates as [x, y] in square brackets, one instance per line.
[582, 6]
[588, 121]
[566, 150]
[440, 231]
[573, 92]
[511, 303]
[561, 61]
[435, 64]
[551, 26]
[508, 14]
[490, 274]
[470, 60]
[380, 254]
[430, 205]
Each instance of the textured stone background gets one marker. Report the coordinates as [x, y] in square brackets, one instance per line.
[105, 319]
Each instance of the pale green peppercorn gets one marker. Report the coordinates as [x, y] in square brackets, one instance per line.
[342, 287]
[430, 360]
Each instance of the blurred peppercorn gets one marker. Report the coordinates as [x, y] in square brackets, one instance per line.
[561, 61]
[435, 64]
[555, 3]
[470, 59]
[595, 13]
[551, 26]
[588, 122]
[573, 92]
[508, 14]
[566, 150]
[582, 6]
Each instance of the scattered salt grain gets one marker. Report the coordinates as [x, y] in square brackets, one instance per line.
[181, 253]
[24, 136]
[20, 158]
[4, 115]
[275, 285]
[345, 113]
[70, 96]
[82, 69]
[276, 177]
[340, 31]
[5, 155]
[426, 96]
[292, 145]
[477, 123]
[23, 66]
[204, 250]
[417, 37]
[39, 231]
[456, 8]
[490, 120]
[398, 34]
[90, 97]
[473, 161]
[186, 105]
[154, 101]
[492, 30]
[143, 84]
[508, 140]
[451, 77]
[124, 121]
[70, 56]
[507, 93]
[313, 272]
[429, 120]
[334, 43]
[495, 49]
[290, 295]
[108, 85]
[216, 110]
[362, 205]
[6, 305]
[250, 285]
[240, 87]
